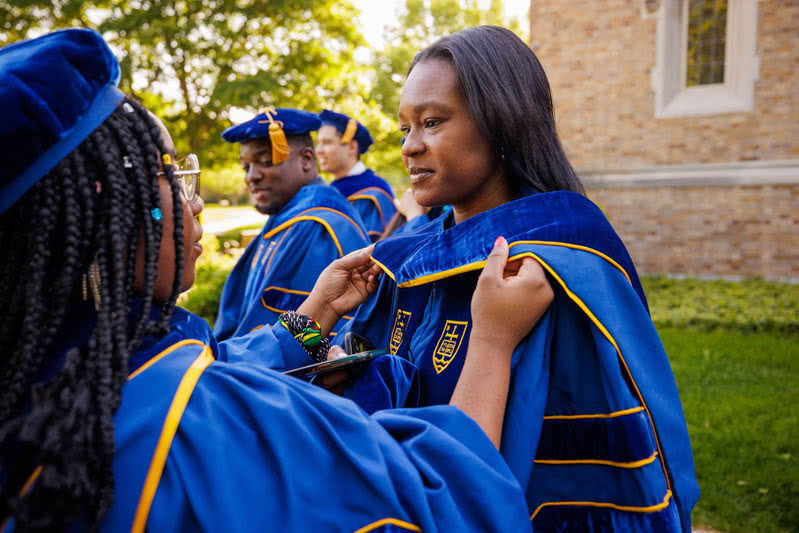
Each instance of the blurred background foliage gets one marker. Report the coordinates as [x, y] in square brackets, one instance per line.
[193, 62]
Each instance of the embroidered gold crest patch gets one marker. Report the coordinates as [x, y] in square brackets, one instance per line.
[448, 344]
[400, 322]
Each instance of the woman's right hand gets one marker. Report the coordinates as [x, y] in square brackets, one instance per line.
[509, 299]
[341, 287]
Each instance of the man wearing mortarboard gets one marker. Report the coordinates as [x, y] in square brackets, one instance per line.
[340, 142]
[310, 224]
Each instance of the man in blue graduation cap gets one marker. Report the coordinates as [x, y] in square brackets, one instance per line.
[310, 223]
[341, 141]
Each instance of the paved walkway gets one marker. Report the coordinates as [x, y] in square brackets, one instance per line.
[236, 220]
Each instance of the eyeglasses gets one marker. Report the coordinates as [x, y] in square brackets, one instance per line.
[187, 170]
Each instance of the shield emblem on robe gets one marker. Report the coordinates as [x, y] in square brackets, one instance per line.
[448, 344]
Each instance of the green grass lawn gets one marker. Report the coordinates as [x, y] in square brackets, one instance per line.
[740, 393]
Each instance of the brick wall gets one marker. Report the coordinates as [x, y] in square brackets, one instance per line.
[714, 231]
[599, 57]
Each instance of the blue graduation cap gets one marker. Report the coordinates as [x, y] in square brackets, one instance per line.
[54, 91]
[350, 129]
[274, 124]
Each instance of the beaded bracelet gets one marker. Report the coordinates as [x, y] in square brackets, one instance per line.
[308, 333]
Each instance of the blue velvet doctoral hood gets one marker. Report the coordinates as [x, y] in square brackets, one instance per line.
[594, 428]
[555, 218]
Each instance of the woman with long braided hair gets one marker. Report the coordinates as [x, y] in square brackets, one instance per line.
[85, 222]
[119, 410]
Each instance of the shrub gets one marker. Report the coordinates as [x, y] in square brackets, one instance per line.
[745, 306]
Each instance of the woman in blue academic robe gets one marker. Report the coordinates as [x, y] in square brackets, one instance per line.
[594, 429]
[120, 411]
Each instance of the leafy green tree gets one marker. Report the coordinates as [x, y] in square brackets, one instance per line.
[192, 60]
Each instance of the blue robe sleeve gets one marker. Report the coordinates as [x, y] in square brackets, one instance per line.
[271, 346]
[255, 449]
[375, 212]
[387, 382]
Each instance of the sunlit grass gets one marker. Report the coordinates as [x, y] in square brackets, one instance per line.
[740, 394]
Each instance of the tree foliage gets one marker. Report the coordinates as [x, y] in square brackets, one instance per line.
[193, 61]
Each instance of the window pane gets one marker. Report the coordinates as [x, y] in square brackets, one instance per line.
[707, 33]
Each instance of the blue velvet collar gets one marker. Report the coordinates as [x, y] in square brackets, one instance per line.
[315, 194]
[433, 252]
[351, 184]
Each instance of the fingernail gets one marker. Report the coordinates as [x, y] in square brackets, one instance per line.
[498, 241]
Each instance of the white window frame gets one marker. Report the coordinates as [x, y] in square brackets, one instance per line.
[741, 63]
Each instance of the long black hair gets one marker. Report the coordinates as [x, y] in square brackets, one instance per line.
[93, 207]
[509, 97]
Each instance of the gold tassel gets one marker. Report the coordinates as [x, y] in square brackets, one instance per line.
[280, 146]
[349, 132]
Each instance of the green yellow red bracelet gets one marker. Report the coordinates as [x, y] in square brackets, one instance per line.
[308, 333]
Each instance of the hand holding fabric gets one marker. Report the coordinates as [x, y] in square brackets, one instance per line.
[509, 299]
[341, 287]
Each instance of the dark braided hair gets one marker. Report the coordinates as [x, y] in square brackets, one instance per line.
[93, 206]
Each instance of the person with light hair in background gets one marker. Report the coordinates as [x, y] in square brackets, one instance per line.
[340, 143]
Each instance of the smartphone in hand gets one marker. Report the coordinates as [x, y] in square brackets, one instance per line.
[349, 362]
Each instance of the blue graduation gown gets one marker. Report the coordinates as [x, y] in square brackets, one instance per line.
[279, 267]
[372, 198]
[594, 428]
[208, 439]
